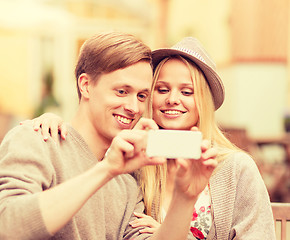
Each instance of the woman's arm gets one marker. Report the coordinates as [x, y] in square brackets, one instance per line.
[192, 176]
[150, 225]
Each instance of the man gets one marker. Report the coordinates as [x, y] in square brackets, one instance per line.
[75, 190]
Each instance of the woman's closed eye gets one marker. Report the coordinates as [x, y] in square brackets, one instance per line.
[162, 90]
[187, 92]
[166, 90]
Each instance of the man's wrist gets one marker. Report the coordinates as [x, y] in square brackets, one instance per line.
[109, 170]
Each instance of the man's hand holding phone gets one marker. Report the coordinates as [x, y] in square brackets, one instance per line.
[127, 151]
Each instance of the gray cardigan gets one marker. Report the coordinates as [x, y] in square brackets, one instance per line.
[240, 201]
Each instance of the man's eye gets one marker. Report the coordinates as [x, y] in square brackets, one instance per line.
[121, 91]
[142, 97]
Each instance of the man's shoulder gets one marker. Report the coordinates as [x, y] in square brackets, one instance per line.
[25, 137]
[21, 132]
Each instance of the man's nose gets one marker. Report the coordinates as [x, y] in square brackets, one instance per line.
[132, 105]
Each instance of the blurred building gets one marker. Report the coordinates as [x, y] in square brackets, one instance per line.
[249, 40]
[39, 44]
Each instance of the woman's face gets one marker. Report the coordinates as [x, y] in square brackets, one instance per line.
[174, 106]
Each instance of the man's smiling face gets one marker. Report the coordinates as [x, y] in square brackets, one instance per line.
[118, 99]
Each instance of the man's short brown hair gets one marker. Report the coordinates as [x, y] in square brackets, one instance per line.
[110, 51]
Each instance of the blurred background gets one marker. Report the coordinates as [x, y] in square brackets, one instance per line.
[249, 40]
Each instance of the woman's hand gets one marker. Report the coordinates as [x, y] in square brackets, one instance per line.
[50, 124]
[192, 176]
[143, 220]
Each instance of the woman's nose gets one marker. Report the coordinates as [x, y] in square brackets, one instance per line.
[173, 98]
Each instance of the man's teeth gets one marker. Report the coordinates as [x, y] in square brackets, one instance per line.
[172, 112]
[124, 120]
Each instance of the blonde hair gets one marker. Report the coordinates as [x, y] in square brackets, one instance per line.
[152, 179]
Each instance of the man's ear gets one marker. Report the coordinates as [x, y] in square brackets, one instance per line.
[83, 82]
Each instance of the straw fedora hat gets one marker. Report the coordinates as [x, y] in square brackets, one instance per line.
[191, 49]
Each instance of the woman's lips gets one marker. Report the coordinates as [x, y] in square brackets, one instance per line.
[172, 113]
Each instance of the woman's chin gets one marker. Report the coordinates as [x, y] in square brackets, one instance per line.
[173, 127]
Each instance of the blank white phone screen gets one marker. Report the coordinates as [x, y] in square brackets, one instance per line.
[174, 144]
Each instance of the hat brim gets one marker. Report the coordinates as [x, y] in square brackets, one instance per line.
[212, 78]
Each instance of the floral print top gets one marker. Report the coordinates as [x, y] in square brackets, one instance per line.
[201, 218]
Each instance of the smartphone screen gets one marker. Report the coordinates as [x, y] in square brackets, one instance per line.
[174, 144]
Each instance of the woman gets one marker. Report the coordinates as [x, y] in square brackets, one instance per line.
[186, 91]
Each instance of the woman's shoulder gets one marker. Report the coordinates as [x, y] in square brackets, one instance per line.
[235, 163]
[238, 159]
[237, 172]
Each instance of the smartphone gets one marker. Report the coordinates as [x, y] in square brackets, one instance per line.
[174, 144]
